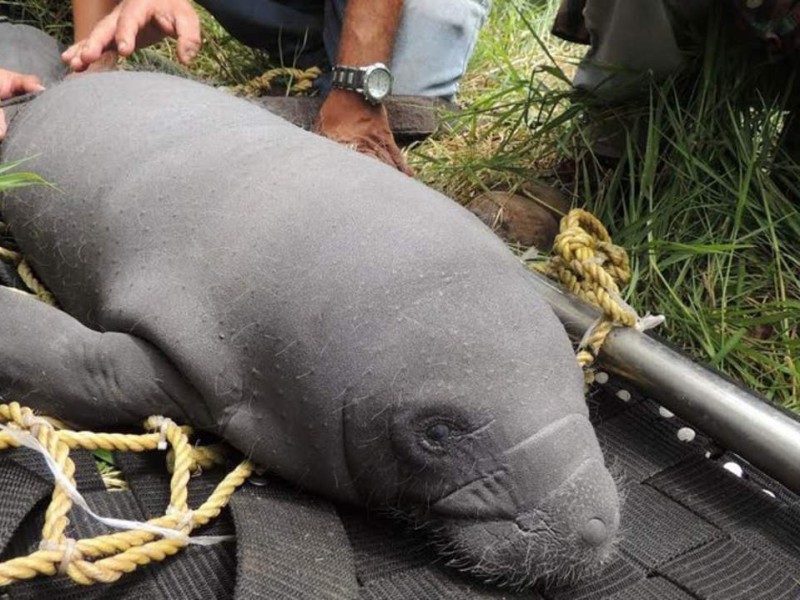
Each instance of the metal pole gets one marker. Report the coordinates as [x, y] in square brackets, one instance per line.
[738, 419]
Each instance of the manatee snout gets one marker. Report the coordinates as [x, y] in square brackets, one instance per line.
[567, 538]
[548, 512]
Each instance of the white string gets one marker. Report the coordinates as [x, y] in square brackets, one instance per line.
[589, 333]
[26, 439]
[162, 440]
[68, 547]
[649, 322]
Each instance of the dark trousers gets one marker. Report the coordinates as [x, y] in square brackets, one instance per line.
[300, 33]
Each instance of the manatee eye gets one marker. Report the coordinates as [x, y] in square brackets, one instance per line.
[438, 433]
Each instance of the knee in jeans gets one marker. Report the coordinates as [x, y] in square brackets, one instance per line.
[434, 43]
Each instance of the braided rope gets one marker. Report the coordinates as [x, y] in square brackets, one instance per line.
[107, 557]
[9, 256]
[300, 81]
[592, 268]
[33, 283]
[25, 271]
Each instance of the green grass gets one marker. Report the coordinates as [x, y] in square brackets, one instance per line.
[705, 201]
[52, 16]
[11, 177]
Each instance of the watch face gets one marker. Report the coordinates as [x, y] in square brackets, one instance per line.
[378, 83]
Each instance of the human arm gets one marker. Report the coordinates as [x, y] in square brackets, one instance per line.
[133, 24]
[86, 14]
[368, 34]
[12, 84]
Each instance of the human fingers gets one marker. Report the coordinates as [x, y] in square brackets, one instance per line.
[12, 83]
[106, 62]
[182, 22]
[133, 17]
[27, 84]
[398, 160]
[85, 52]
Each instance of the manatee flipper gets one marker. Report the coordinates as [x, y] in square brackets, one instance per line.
[56, 365]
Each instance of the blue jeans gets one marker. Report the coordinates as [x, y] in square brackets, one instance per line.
[431, 51]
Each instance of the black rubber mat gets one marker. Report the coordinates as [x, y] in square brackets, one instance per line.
[691, 530]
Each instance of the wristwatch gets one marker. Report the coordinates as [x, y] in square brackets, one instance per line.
[374, 82]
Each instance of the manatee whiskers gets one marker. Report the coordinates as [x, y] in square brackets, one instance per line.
[509, 556]
[547, 560]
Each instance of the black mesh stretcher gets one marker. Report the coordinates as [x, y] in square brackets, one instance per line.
[691, 529]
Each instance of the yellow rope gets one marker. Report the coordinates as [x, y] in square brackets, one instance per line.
[202, 457]
[9, 256]
[25, 272]
[32, 282]
[299, 81]
[107, 557]
[591, 267]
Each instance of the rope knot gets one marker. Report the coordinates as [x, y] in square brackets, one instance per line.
[34, 424]
[69, 549]
[185, 518]
[162, 425]
[592, 267]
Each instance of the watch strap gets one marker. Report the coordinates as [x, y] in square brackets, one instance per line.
[348, 78]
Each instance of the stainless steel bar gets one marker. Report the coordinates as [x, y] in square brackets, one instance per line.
[737, 419]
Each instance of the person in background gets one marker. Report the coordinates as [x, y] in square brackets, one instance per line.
[632, 43]
[409, 47]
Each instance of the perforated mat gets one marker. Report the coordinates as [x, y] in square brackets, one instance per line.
[692, 529]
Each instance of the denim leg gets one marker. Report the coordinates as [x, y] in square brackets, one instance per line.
[432, 48]
[433, 45]
[289, 30]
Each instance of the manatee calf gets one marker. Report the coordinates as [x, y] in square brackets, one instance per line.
[349, 328]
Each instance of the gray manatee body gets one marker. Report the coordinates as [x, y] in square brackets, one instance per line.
[25, 49]
[352, 330]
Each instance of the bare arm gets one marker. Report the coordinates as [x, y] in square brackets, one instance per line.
[132, 24]
[88, 13]
[368, 35]
[368, 31]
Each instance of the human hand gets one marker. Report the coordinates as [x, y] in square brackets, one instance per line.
[135, 24]
[107, 62]
[11, 84]
[347, 118]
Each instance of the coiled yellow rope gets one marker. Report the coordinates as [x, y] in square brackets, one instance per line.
[592, 267]
[25, 272]
[299, 81]
[106, 558]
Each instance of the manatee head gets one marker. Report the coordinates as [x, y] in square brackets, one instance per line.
[483, 438]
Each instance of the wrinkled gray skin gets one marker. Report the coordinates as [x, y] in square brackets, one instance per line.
[349, 328]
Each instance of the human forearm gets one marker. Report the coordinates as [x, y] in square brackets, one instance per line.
[87, 13]
[368, 31]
